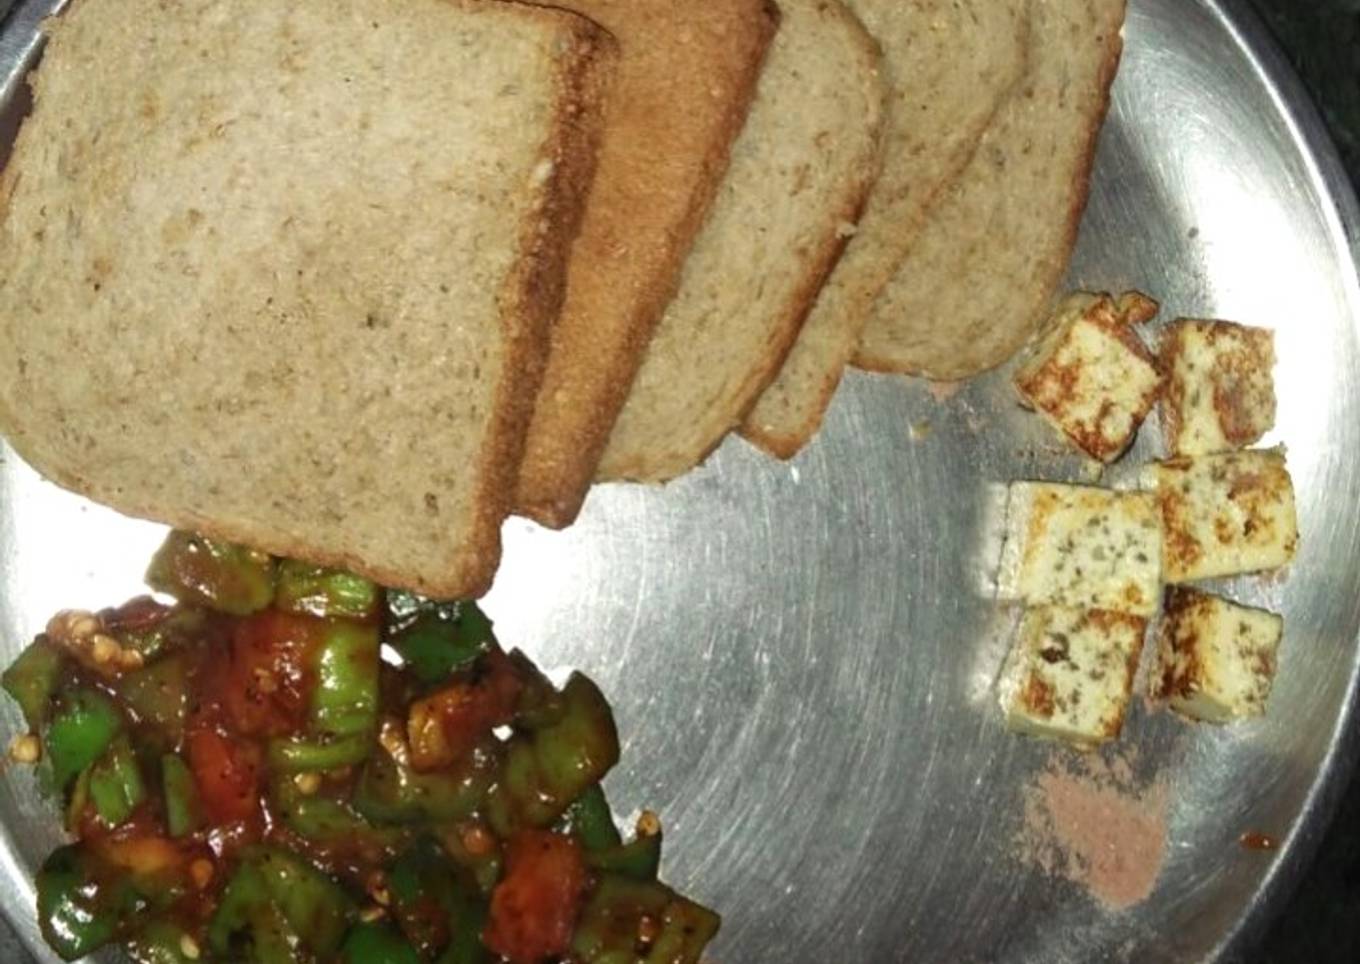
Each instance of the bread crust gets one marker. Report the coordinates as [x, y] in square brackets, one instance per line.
[790, 412]
[660, 458]
[944, 365]
[687, 73]
[534, 294]
[530, 296]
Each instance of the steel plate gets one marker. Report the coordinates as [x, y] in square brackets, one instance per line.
[801, 655]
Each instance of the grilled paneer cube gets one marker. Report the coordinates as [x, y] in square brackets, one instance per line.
[1224, 514]
[1069, 675]
[1220, 391]
[1081, 547]
[1090, 376]
[1216, 659]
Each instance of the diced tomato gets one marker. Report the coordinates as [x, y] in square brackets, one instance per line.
[535, 906]
[266, 690]
[227, 772]
[444, 727]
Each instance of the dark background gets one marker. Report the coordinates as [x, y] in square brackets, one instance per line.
[1321, 922]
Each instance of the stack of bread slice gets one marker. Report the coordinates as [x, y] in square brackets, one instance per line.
[353, 281]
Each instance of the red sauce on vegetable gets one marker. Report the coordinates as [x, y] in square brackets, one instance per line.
[242, 768]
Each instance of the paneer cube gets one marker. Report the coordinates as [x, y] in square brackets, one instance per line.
[1081, 547]
[1069, 675]
[1224, 514]
[1090, 375]
[1220, 392]
[1215, 659]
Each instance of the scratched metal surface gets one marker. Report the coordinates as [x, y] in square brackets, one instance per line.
[801, 656]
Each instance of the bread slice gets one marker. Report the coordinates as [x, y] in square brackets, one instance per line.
[800, 172]
[254, 257]
[687, 72]
[949, 65]
[979, 280]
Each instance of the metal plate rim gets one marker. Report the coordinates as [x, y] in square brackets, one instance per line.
[1331, 181]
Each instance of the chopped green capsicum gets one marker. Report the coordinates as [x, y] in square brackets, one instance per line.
[639, 859]
[318, 591]
[248, 926]
[345, 697]
[540, 703]
[276, 903]
[116, 784]
[313, 904]
[435, 908]
[161, 941]
[377, 944]
[209, 572]
[435, 640]
[591, 821]
[32, 680]
[546, 769]
[390, 791]
[329, 821]
[343, 715]
[158, 695]
[292, 755]
[83, 725]
[78, 800]
[183, 808]
[610, 931]
[83, 903]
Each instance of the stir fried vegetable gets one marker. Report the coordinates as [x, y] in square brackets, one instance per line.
[437, 639]
[183, 809]
[158, 695]
[547, 768]
[208, 572]
[32, 680]
[277, 903]
[437, 909]
[116, 785]
[377, 944]
[82, 902]
[83, 725]
[293, 764]
[389, 790]
[627, 921]
[536, 904]
[304, 588]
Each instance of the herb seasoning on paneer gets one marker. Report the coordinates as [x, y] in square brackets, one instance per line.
[1090, 376]
[1226, 514]
[1216, 659]
[1220, 392]
[1081, 547]
[1069, 675]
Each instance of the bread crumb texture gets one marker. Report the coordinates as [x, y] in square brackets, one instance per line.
[263, 268]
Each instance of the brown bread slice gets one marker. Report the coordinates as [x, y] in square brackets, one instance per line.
[800, 172]
[256, 256]
[979, 280]
[687, 72]
[949, 64]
